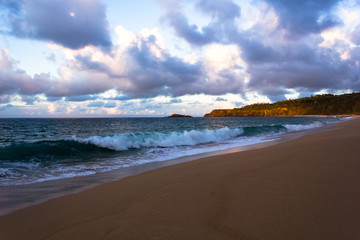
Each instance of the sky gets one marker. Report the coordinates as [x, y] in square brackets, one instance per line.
[116, 58]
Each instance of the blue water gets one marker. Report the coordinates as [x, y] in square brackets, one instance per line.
[38, 150]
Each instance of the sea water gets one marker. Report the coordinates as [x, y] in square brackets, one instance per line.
[40, 150]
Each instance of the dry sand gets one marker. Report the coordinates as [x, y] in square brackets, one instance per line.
[308, 188]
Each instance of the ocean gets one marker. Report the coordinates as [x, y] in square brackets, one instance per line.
[41, 150]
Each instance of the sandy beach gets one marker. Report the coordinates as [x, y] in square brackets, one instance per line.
[307, 188]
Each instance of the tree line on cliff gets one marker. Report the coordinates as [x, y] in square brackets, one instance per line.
[326, 104]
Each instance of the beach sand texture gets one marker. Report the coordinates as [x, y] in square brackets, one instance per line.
[307, 188]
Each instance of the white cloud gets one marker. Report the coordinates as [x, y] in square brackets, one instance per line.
[220, 56]
[51, 108]
[243, 53]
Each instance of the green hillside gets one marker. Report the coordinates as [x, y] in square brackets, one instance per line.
[327, 104]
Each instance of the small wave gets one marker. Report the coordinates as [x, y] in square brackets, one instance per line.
[121, 142]
[263, 130]
[293, 128]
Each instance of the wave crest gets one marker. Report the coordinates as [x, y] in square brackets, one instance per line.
[294, 128]
[120, 142]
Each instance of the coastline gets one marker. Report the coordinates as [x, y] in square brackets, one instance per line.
[296, 189]
[320, 115]
[16, 197]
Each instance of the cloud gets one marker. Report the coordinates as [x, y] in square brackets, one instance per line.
[148, 70]
[297, 17]
[355, 35]
[228, 59]
[110, 105]
[4, 98]
[254, 50]
[286, 55]
[14, 80]
[189, 31]
[3, 108]
[302, 17]
[223, 13]
[80, 98]
[51, 57]
[175, 100]
[144, 68]
[30, 100]
[306, 68]
[11, 7]
[153, 75]
[96, 104]
[70, 23]
[74, 81]
[53, 99]
[220, 99]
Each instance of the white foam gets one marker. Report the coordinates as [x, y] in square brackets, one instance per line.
[297, 127]
[120, 142]
[148, 155]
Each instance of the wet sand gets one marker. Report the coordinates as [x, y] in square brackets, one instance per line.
[307, 188]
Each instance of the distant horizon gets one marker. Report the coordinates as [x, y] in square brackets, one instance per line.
[149, 116]
[153, 58]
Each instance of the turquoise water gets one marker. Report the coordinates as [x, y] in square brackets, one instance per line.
[38, 150]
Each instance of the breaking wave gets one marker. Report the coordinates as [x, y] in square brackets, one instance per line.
[27, 162]
[97, 146]
[121, 142]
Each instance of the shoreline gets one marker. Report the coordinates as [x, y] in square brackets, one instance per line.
[40, 192]
[335, 115]
[304, 188]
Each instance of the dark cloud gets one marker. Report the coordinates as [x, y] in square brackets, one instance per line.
[274, 63]
[305, 68]
[14, 80]
[151, 71]
[301, 17]
[53, 99]
[223, 13]
[71, 23]
[298, 17]
[354, 70]
[80, 98]
[168, 75]
[355, 35]
[255, 51]
[93, 65]
[82, 83]
[146, 74]
[152, 76]
[189, 31]
[30, 100]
